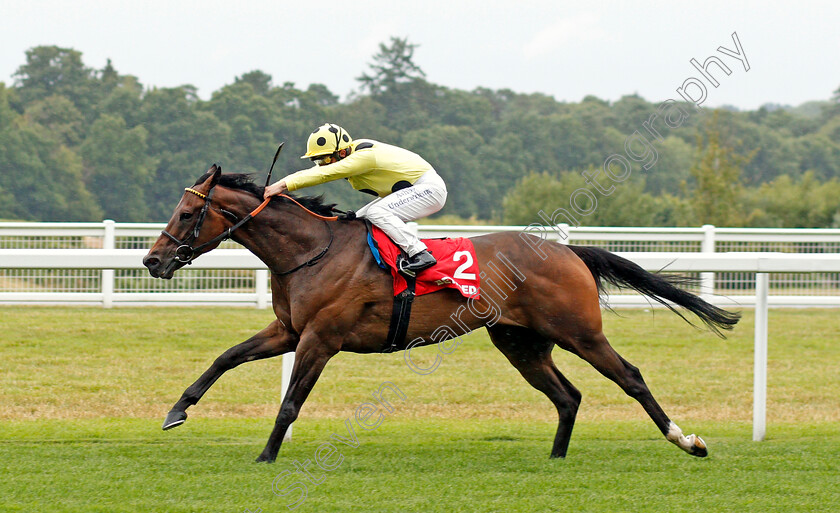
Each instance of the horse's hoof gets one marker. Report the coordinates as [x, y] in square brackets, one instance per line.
[698, 447]
[262, 458]
[174, 419]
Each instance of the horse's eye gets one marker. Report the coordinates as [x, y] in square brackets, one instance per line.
[186, 216]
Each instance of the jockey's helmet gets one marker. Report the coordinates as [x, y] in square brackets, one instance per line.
[326, 140]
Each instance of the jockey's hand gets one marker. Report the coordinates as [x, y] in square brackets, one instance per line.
[275, 189]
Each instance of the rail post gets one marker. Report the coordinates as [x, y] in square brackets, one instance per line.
[707, 280]
[760, 361]
[109, 241]
[261, 288]
[285, 379]
[565, 229]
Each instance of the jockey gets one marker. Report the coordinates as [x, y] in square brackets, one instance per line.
[407, 187]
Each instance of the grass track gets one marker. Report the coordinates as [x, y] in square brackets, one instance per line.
[436, 466]
[84, 391]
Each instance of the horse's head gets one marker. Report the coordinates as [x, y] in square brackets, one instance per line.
[204, 218]
[194, 229]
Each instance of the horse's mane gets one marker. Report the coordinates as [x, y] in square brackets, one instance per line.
[245, 182]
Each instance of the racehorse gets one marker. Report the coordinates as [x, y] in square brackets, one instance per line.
[329, 295]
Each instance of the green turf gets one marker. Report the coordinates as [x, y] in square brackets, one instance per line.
[84, 391]
[436, 466]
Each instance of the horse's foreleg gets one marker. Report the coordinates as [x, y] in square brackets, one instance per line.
[274, 340]
[310, 359]
[531, 355]
[597, 351]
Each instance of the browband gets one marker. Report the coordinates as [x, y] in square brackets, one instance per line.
[202, 196]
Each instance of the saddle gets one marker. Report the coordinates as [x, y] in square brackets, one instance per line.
[456, 267]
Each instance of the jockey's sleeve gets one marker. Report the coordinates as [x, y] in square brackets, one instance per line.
[354, 164]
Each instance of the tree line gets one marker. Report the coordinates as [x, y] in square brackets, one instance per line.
[83, 144]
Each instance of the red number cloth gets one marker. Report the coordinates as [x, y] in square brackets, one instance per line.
[456, 267]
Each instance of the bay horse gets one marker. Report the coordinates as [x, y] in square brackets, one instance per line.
[329, 295]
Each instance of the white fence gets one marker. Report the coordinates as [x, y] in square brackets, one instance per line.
[248, 285]
[83, 282]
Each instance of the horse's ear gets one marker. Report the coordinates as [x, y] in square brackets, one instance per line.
[217, 172]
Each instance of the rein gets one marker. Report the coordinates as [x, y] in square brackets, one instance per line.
[185, 252]
[314, 260]
[313, 214]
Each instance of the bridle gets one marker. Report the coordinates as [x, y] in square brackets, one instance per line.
[185, 252]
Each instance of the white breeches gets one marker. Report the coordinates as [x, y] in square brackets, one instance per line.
[389, 214]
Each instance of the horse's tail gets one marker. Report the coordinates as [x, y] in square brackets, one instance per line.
[663, 288]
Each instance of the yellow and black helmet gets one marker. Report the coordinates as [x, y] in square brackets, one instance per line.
[326, 140]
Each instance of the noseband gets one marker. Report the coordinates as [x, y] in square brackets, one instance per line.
[185, 252]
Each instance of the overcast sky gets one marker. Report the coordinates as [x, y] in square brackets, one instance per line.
[561, 48]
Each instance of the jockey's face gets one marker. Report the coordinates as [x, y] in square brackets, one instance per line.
[323, 160]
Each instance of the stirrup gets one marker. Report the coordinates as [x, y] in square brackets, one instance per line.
[402, 264]
[412, 265]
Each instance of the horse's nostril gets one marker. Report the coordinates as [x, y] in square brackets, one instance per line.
[151, 262]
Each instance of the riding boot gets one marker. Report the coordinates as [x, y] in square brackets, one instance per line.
[417, 263]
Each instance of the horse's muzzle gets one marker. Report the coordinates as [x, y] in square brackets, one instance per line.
[157, 268]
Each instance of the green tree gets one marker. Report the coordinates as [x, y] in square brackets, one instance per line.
[392, 65]
[818, 152]
[39, 176]
[253, 124]
[626, 205]
[396, 82]
[58, 115]
[672, 167]
[124, 100]
[453, 153]
[630, 112]
[8, 206]
[117, 168]
[322, 95]
[482, 142]
[259, 81]
[499, 175]
[71, 200]
[366, 118]
[717, 193]
[52, 70]
[44, 177]
[459, 108]
[795, 203]
[833, 109]
[182, 140]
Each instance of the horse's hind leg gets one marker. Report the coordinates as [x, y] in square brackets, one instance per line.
[531, 355]
[596, 350]
[274, 340]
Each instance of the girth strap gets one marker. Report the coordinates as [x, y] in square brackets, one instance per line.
[401, 311]
[400, 316]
